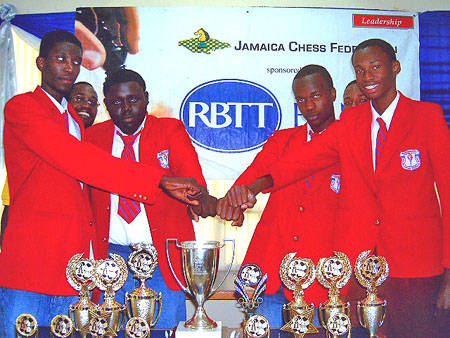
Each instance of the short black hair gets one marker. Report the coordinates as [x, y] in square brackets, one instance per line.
[82, 83]
[351, 83]
[383, 45]
[120, 76]
[314, 69]
[50, 39]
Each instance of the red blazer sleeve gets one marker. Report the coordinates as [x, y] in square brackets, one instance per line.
[28, 121]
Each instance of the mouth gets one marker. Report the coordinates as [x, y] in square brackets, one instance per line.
[128, 119]
[371, 87]
[67, 81]
[311, 117]
[84, 114]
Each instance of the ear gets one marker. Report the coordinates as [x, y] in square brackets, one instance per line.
[40, 63]
[333, 94]
[146, 98]
[396, 67]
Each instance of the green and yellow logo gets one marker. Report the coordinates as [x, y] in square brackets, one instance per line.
[203, 43]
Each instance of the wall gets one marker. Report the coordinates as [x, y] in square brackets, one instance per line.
[33, 6]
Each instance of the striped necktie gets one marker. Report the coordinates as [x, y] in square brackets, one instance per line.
[128, 209]
[381, 140]
[311, 178]
[65, 116]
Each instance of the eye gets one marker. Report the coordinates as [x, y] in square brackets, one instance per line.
[347, 103]
[92, 102]
[316, 96]
[376, 66]
[78, 99]
[300, 100]
[61, 58]
[134, 99]
[77, 62]
[363, 100]
[117, 102]
[359, 71]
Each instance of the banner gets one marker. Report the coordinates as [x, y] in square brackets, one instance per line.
[227, 72]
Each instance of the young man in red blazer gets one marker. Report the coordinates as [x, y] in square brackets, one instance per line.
[388, 200]
[299, 218]
[48, 165]
[159, 142]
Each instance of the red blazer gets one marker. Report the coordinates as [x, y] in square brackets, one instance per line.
[295, 219]
[395, 208]
[167, 217]
[49, 218]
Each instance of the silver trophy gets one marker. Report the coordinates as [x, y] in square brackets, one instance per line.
[200, 261]
[142, 301]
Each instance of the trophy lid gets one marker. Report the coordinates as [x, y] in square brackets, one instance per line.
[200, 245]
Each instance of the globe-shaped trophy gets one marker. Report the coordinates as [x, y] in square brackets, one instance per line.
[80, 275]
[142, 301]
[371, 271]
[297, 274]
[334, 273]
[110, 275]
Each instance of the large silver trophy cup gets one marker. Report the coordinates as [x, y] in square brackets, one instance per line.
[200, 261]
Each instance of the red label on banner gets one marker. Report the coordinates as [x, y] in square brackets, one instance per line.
[382, 21]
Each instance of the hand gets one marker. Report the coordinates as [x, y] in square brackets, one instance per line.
[229, 213]
[241, 196]
[185, 189]
[207, 206]
[443, 302]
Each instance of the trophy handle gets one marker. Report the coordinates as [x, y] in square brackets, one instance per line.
[127, 308]
[124, 318]
[358, 313]
[159, 299]
[229, 269]
[321, 319]
[185, 289]
[71, 312]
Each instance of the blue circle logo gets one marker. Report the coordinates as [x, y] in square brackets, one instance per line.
[230, 115]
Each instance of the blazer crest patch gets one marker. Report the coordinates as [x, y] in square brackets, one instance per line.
[163, 157]
[335, 184]
[411, 159]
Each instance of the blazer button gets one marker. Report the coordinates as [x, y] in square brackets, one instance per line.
[295, 238]
[301, 209]
[377, 222]
[144, 198]
[107, 208]
[135, 195]
[104, 239]
[91, 223]
[140, 196]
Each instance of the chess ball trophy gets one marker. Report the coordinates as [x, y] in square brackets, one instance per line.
[250, 276]
[371, 271]
[200, 263]
[61, 326]
[79, 274]
[137, 327]
[297, 274]
[110, 275]
[142, 301]
[26, 326]
[334, 273]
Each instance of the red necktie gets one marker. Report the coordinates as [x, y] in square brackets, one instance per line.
[310, 178]
[381, 140]
[128, 209]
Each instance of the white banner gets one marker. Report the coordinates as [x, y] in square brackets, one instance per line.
[227, 72]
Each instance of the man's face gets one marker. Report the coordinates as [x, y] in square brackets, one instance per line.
[315, 101]
[376, 74]
[60, 69]
[127, 105]
[353, 96]
[85, 101]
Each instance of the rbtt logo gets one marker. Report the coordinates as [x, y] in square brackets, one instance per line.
[230, 115]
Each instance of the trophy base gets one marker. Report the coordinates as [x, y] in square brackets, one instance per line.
[183, 332]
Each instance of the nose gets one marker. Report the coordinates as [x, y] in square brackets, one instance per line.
[309, 104]
[126, 106]
[368, 75]
[69, 67]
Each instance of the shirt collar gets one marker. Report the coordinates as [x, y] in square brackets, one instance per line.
[62, 107]
[388, 113]
[138, 130]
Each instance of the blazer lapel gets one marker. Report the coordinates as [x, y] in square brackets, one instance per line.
[77, 118]
[399, 128]
[147, 143]
[44, 100]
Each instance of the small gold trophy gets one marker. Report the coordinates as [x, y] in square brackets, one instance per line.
[334, 273]
[61, 326]
[79, 274]
[26, 326]
[297, 274]
[142, 301]
[371, 271]
[250, 275]
[137, 328]
[110, 275]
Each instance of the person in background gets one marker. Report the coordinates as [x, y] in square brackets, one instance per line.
[353, 96]
[300, 217]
